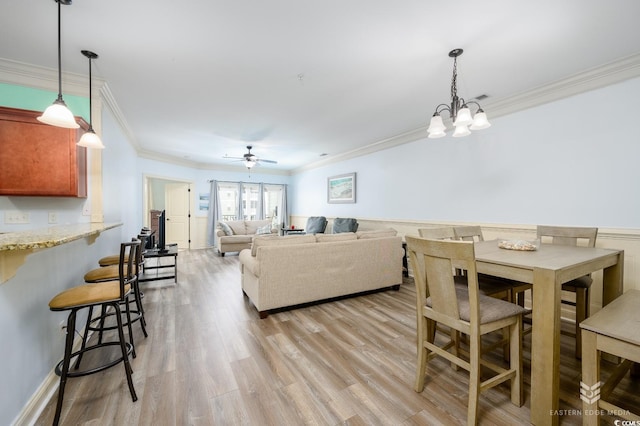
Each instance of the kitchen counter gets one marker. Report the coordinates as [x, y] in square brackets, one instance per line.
[16, 246]
[51, 237]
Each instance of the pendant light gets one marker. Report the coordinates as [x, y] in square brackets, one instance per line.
[89, 139]
[58, 114]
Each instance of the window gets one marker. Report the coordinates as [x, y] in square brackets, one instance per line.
[272, 201]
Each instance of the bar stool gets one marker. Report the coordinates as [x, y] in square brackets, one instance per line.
[110, 260]
[109, 273]
[111, 293]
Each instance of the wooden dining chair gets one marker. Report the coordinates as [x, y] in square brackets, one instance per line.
[440, 300]
[490, 286]
[573, 236]
[517, 289]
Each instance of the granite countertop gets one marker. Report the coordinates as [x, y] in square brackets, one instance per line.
[50, 237]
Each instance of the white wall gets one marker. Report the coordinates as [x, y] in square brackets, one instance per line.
[574, 161]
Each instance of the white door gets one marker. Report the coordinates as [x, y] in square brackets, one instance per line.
[177, 201]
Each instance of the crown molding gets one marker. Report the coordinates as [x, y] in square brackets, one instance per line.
[594, 78]
[19, 73]
[37, 77]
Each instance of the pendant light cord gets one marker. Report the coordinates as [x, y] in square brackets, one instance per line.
[59, 53]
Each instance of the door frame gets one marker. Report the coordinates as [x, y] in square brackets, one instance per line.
[146, 180]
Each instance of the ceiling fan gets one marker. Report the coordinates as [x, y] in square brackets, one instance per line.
[250, 159]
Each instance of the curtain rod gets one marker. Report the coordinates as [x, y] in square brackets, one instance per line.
[240, 181]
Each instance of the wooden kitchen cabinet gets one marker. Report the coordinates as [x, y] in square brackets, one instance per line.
[37, 159]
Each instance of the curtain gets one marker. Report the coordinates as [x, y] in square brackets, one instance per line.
[214, 213]
[284, 211]
[260, 209]
[240, 210]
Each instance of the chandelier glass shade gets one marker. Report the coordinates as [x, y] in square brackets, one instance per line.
[458, 110]
[90, 139]
[58, 114]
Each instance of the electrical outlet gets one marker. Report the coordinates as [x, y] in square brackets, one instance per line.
[53, 217]
[86, 211]
[16, 217]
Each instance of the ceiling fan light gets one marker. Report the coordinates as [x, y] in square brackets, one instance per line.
[461, 131]
[57, 114]
[480, 121]
[90, 140]
[436, 125]
[249, 163]
[463, 118]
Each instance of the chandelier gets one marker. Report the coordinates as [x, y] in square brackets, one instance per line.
[458, 110]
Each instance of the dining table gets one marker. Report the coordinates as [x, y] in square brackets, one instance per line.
[547, 268]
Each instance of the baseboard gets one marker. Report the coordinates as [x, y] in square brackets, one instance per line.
[40, 398]
[34, 407]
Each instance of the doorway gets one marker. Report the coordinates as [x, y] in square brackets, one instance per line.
[175, 197]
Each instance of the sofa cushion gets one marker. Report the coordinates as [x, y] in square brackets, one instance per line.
[238, 227]
[225, 228]
[236, 239]
[377, 233]
[328, 238]
[266, 240]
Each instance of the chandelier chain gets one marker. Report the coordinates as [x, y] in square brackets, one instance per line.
[454, 77]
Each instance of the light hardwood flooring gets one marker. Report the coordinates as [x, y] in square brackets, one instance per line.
[209, 360]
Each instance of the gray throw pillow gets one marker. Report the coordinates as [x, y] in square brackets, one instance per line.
[316, 225]
[225, 228]
[344, 225]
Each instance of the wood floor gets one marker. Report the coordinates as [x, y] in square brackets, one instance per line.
[209, 360]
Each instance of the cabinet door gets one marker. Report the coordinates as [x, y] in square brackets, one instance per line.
[39, 159]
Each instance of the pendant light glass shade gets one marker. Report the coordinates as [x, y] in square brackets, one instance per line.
[461, 131]
[480, 121]
[90, 140]
[464, 117]
[58, 114]
[249, 164]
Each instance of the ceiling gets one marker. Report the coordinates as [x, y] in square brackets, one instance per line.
[200, 79]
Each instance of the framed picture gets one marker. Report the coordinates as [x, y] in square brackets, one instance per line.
[341, 188]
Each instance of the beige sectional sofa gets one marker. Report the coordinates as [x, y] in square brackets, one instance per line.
[239, 234]
[280, 272]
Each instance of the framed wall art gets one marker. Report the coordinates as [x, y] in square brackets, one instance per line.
[341, 188]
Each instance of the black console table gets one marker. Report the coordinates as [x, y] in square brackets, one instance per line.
[159, 271]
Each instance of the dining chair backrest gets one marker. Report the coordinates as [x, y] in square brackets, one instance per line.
[444, 233]
[468, 233]
[435, 278]
[567, 235]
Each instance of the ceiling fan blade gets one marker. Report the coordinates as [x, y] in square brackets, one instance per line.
[232, 158]
[260, 160]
